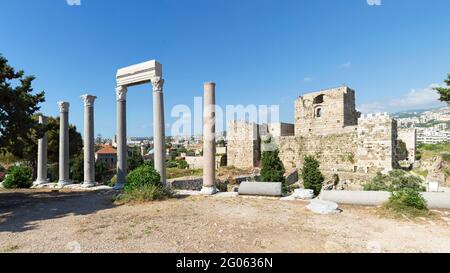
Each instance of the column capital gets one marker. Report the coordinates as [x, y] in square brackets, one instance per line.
[63, 106]
[158, 84]
[121, 92]
[88, 100]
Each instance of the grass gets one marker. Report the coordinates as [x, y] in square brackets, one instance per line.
[402, 211]
[178, 173]
[10, 249]
[421, 172]
[407, 203]
[432, 150]
[144, 193]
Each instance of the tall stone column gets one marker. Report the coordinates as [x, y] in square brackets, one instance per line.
[209, 140]
[89, 147]
[64, 144]
[122, 151]
[159, 138]
[42, 176]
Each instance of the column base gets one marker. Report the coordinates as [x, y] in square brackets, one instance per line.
[41, 182]
[89, 184]
[63, 183]
[119, 187]
[209, 190]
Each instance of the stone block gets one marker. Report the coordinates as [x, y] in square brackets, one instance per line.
[261, 188]
[323, 207]
[303, 194]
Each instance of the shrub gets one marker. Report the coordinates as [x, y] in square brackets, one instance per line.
[378, 183]
[144, 175]
[182, 164]
[18, 177]
[400, 180]
[312, 177]
[407, 201]
[272, 169]
[396, 180]
[143, 184]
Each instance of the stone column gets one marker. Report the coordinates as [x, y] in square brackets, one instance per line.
[159, 138]
[64, 144]
[42, 176]
[121, 137]
[209, 140]
[89, 147]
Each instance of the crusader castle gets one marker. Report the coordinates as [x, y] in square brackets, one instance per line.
[327, 126]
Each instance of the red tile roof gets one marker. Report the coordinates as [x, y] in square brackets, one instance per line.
[107, 151]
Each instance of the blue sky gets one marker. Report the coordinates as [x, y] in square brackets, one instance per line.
[257, 51]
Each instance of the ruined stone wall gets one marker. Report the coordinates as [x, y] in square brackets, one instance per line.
[325, 112]
[377, 138]
[334, 152]
[409, 137]
[243, 150]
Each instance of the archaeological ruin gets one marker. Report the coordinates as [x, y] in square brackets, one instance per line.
[328, 127]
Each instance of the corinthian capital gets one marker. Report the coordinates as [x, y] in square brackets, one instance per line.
[63, 106]
[121, 92]
[158, 84]
[88, 100]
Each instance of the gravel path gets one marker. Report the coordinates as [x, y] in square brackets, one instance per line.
[45, 221]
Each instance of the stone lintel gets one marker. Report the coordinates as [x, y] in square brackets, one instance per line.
[139, 73]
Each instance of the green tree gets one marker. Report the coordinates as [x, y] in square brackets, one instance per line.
[135, 159]
[52, 127]
[77, 169]
[444, 92]
[100, 170]
[272, 169]
[75, 140]
[312, 177]
[18, 104]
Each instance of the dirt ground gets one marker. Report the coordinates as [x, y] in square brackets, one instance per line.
[45, 221]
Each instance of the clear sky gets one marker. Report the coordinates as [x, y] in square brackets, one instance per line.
[257, 51]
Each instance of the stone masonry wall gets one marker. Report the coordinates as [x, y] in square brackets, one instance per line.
[334, 152]
[377, 138]
[409, 137]
[243, 150]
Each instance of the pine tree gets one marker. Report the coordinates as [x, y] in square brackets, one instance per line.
[17, 107]
[312, 177]
[272, 168]
[444, 92]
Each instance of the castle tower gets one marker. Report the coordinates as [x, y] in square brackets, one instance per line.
[325, 112]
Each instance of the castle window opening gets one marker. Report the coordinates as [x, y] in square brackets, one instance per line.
[319, 99]
[319, 112]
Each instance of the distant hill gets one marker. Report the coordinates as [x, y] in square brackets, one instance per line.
[413, 113]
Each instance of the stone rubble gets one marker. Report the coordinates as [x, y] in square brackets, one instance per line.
[323, 207]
